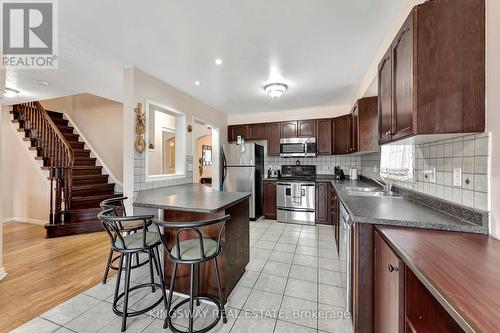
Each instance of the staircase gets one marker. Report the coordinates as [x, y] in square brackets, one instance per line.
[78, 184]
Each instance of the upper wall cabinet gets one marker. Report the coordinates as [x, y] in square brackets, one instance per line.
[273, 139]
[289, 129]
[257, 132]
[234, 131]
[364, 119]
[306, 128]
[432, 79]
[324, 139]
[342, 135]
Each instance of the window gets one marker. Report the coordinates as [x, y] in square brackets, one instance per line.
[166, 155]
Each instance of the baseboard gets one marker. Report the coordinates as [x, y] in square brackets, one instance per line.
[3, 273]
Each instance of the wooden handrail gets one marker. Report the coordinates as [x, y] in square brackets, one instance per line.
[58, 151]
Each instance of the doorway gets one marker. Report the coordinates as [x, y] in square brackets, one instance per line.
[205, 154]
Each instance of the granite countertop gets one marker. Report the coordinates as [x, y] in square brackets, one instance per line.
[189, 197]
[407, 212]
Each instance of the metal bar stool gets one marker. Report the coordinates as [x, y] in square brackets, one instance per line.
[193, 252]
[127, 228]
[127, 246]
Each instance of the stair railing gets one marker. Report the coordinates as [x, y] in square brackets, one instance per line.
[57, 153]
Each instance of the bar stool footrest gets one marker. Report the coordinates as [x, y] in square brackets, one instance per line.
[142, 311]
[200, 297]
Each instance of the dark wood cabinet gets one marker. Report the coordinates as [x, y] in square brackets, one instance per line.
[432, 78]
[306, 128]
[402, 81]
[354, 128]
[273, 139]
[324, 203]
[324, 136]
[289, 129]
[389, 273]
[342, 136]
[385, 98]
[364, 125]
[270, 211]
[423, 311]
[234, 131]
[257, 132]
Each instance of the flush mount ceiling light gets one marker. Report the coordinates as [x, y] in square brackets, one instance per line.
[197, 83]
[9, 92]
[218, 61]
[275, 90]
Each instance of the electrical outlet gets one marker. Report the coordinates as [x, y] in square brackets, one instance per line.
[430, 175]
[457, 177]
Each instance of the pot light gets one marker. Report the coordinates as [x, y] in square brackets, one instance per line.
[9, 92]
[275, 90]
[218, 61]
[197, 83]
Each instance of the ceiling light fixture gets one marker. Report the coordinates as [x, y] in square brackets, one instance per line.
[197, 83]
[9, 92]
[218, 61]
[275, 90]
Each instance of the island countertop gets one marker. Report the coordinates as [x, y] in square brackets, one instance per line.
[189, 197]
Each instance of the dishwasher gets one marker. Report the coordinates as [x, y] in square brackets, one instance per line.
[345, 254]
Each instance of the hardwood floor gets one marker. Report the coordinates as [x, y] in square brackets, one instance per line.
[42, 273]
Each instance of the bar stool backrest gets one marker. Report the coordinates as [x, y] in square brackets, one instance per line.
[112, 226]
[191, 227]
[115, 203]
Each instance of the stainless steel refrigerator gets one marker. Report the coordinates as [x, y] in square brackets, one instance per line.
[242, 171]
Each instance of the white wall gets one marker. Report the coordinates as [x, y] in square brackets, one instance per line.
[100, 121]
[139, 86]
[493, 106]
[24, 186]
[307, 113]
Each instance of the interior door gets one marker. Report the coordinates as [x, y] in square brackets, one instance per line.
[402, 81]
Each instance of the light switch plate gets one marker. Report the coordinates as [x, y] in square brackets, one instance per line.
[457, 177]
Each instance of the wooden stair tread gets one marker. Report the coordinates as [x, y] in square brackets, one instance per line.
[88, 176]
[96, 197]
[91, 186]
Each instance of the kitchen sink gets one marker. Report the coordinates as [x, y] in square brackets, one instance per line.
[378, 193]
[361, 189]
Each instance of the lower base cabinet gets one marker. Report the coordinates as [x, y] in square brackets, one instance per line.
[401, 303]
[270, 210]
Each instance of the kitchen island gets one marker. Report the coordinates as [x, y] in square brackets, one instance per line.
[195, 202]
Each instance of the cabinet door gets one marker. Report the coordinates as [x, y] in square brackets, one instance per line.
[289, 129]
[324, 136]
[257, 132]
[237, 130]
[323, 203]
[270, 200]
[385, 98]
[388, 289]
[342, 135]
[402, 81]
[306, 128]
[273, 139]
[354, 128]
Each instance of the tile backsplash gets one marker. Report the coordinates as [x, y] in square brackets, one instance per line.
[324, 164]
[470, 153]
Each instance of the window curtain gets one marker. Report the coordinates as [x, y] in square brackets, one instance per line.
[397, 162]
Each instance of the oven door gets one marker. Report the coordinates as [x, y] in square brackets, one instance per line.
[294, 195]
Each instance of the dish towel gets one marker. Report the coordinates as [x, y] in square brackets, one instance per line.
[296, 194]
[397, 162]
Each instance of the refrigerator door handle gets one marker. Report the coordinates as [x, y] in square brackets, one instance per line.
[224, 169]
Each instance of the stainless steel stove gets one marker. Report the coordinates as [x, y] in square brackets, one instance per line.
[296, 192]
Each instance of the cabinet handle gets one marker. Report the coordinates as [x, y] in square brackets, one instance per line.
[392, 268]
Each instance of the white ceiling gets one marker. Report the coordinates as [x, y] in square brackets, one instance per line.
[320, 48]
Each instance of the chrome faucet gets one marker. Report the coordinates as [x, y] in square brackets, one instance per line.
[387, 186]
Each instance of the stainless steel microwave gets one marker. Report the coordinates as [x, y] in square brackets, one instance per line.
[298, 147]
